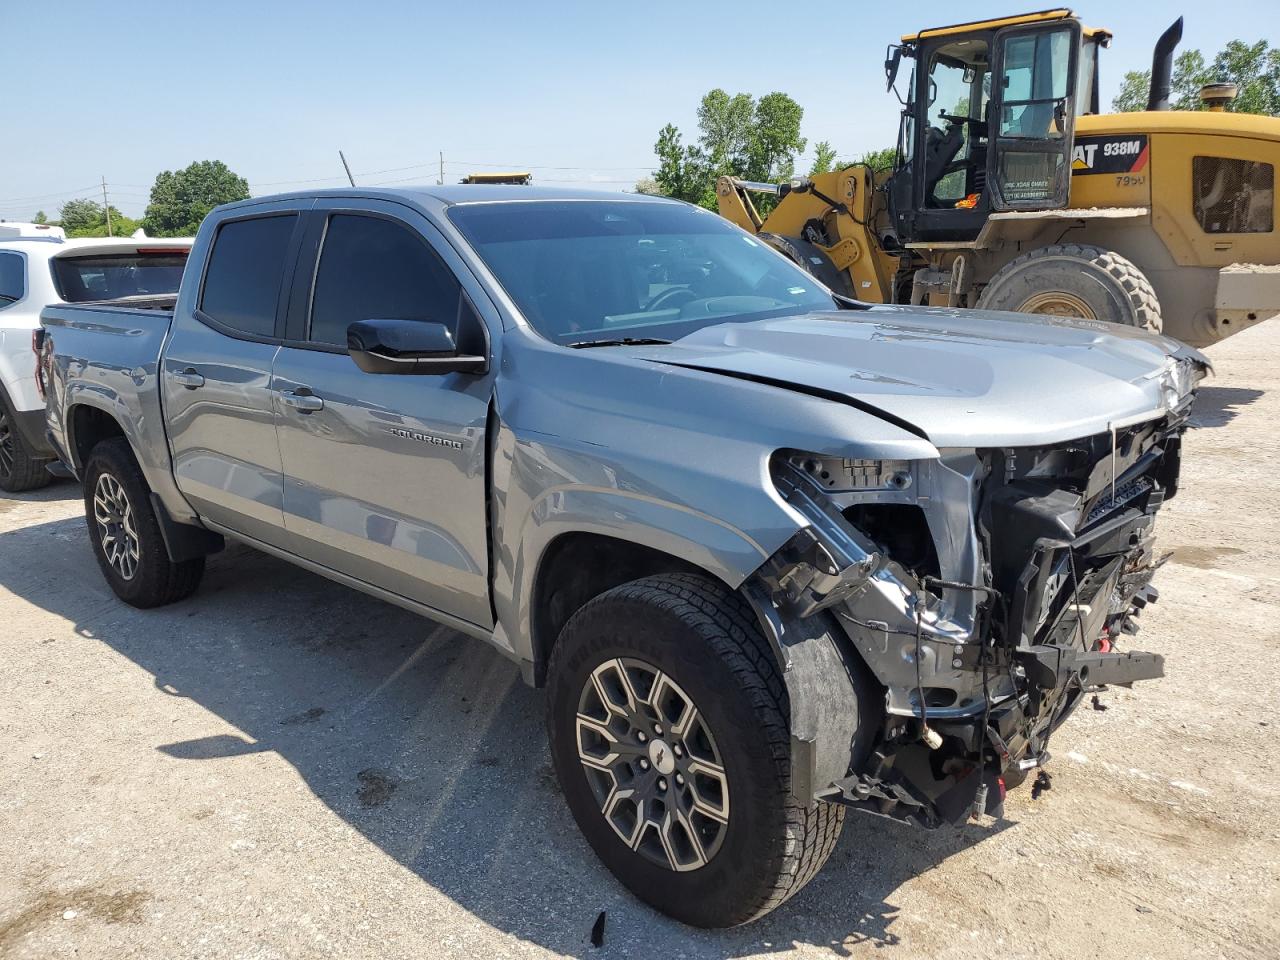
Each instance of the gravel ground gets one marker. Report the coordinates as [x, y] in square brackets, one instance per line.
[280, 767]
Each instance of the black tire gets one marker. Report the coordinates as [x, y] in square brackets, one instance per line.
[155, 580]
[1086, 281]
[20, 468]
[810, 258]
[706, 639]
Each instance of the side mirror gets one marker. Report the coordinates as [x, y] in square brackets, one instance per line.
[408, 347]
[892, 60]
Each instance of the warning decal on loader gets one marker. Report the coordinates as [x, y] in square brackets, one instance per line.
[1111, 154]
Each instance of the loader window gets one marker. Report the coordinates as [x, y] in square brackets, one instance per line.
[1233, 196]
[1035, 78]
[955, 128]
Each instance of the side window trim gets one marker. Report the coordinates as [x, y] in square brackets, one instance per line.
[308, 271]
[5, 302]
[286, 277]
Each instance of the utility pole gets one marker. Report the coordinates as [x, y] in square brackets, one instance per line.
[350, 178]
[440, 181]
[106, 207]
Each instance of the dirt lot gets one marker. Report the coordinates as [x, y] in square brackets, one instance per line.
[280, 767]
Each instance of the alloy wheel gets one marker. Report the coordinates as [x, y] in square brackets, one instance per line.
[116, 531]
[653, 764]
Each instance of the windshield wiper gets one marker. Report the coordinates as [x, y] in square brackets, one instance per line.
[623, 342]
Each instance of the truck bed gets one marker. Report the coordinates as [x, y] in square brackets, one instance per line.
[105, 355]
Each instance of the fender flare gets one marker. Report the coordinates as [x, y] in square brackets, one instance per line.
[722, 551]
[836, 705]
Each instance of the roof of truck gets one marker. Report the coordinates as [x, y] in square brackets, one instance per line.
[458, 193]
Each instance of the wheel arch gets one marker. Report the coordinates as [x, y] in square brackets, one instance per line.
[88, 424]
[577, 566]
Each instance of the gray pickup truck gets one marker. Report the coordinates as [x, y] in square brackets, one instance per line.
[774, 553]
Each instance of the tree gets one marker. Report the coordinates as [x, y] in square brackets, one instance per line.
[879, 160]
[1253, 68]
[180, 199]
[824, 158]
[682, 171]
[39, 217]
[79, 215]
[737, 136]
[85, 218]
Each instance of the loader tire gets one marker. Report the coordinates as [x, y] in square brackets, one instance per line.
[1075, 280]
[810, 258]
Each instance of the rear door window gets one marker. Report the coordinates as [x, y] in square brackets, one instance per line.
[111, 276]
[372, 268]
[13, 278]
[246, 272]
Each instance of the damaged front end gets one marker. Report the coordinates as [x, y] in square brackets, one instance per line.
[988, 591]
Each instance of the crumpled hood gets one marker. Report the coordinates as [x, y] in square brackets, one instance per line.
[963, 378]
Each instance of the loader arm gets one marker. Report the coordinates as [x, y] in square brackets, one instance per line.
[735, 204]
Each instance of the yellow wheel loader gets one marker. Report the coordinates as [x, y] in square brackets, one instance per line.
[1012, 191]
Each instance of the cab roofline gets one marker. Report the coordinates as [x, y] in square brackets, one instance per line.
[454, 194]
[1042, 16]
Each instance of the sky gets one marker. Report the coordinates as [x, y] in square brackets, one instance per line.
[573, 92]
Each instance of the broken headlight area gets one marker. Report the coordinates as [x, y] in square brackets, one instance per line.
[987, 591]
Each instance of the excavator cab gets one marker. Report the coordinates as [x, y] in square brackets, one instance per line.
[987, 122]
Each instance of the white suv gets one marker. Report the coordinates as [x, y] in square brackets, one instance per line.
[39, 266]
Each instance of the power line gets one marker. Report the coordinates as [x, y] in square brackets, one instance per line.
[41, 196]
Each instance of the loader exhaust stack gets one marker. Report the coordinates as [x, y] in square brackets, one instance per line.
[1162, 67]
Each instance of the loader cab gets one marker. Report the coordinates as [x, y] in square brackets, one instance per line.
[987, 123]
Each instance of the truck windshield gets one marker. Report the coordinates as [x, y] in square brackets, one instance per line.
[584, 271]
[111, 276]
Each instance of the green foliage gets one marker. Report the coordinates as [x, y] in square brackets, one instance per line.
[81, 215]
[1254, 68]
[40, 217]
[682, 171]
[879, 160]
[737, 136]
[824, 158]
[87, 218]
[121, 226]
[180, 199]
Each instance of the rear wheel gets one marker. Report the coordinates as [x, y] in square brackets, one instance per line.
[125, 531]
[668, 721]
[1075, 280]
[20, 469]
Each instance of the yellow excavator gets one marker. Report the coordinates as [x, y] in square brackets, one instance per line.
[1012, 191]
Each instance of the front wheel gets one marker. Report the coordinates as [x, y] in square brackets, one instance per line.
[125, 531]
[668, 721]
[1075, 280]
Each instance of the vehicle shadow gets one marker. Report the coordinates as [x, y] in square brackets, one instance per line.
[1218, 406]
[429, 745]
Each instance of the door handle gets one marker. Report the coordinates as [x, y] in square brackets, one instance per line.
[189, 378]
[302, 402]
